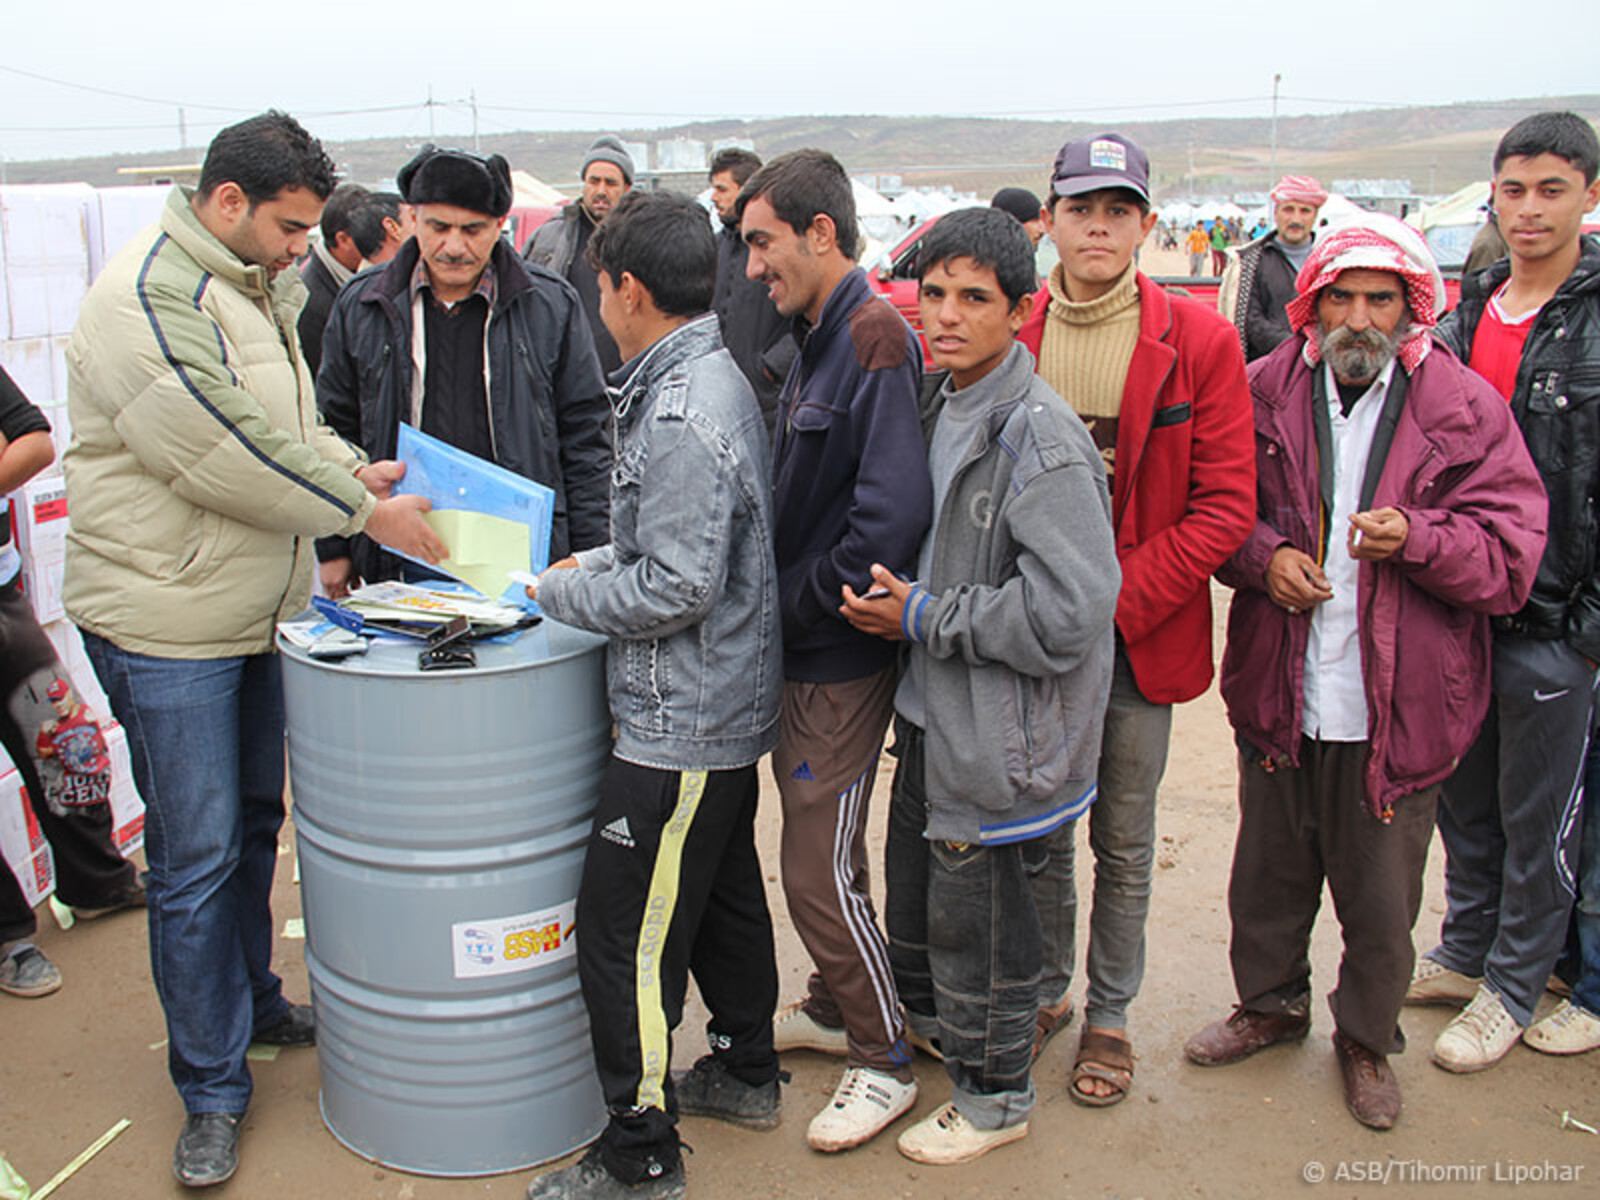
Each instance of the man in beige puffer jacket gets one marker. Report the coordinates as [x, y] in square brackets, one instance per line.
[197, 477]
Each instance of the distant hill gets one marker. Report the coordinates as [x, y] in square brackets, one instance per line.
[1438, 148]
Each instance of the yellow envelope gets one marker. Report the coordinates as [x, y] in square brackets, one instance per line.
[482, 548]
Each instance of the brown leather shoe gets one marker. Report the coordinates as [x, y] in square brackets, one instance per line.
[1371, 1091]
[1243, 1033]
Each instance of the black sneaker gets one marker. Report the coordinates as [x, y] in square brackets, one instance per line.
[588, 1179]
[131, 896]
[208, 1149]
[709, 1089]
[297, 1027]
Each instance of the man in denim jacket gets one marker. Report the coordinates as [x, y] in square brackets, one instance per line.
[687, 591]
[998, 717]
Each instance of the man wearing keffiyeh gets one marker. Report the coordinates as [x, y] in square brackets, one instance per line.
[1259, 280]
[1397, 512]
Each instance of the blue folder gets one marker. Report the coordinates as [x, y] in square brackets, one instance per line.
[451, 478]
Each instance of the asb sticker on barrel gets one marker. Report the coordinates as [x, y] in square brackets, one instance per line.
[505, 945]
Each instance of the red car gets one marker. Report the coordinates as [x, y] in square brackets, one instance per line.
[524, 219]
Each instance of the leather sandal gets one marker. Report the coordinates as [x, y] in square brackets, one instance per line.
[1051, 1020]
[1108, 1058]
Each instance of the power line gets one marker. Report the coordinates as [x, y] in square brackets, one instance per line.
[100, 91]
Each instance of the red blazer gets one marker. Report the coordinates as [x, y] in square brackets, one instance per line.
[1184, 489]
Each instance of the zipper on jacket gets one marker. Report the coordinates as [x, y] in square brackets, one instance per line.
[488, 389]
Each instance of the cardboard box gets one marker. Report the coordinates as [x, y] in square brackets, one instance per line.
[21, 843]
[39, 515]
[58, 371]
[127, 809]
[60, 435]
[28, 362]
[46, 255]
[119, 213]
[41, 583]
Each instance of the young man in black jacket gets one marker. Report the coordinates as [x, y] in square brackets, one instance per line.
[757, 335]
[1511, 813]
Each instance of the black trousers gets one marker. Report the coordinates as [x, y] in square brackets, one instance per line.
[1298, 827]
[90, 872]
[672, 884]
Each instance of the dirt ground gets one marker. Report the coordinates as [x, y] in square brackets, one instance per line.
[73, 1064]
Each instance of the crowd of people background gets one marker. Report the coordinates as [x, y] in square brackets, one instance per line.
[1007, 562]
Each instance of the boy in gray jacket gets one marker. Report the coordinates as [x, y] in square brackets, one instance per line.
[687, 592]
[997, 720]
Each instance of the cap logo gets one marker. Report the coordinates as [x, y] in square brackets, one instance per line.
[1106, 155]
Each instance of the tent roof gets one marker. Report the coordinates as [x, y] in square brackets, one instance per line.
[528, 190]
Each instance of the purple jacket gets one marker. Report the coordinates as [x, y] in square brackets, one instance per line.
[1459, 471]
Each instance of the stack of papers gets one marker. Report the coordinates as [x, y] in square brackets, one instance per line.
[414, 604]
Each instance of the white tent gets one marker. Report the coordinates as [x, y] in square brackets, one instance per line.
[1450, 225]
[869, 203]
[526, 190]
[1179, 213]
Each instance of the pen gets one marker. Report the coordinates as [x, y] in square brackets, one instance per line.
[877, 593]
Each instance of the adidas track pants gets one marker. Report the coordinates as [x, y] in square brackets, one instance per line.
[824, 763]
[672, 884]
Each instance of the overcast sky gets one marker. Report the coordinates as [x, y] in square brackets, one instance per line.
[630, 63]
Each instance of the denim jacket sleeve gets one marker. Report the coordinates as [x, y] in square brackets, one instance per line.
[672, 571]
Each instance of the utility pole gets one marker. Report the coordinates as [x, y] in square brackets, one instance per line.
[430, 112]
[183, 131]
[1272, 169]
[473, 100]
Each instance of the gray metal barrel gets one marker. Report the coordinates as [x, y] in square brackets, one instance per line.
[442, 819]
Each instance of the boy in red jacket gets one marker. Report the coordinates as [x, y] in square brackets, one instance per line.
[1159, 381]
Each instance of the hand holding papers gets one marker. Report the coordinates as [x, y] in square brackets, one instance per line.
[493, 520]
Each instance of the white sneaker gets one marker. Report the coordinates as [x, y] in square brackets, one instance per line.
[1567, 1030]
[795, 1029]
[1480, 1037]
[863, 1104]
[946, 1138]
[1434, 983]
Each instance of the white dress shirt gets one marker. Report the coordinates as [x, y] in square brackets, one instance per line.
[1335, 698]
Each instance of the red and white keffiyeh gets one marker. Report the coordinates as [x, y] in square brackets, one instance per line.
[1303, 189]
[1374, 242]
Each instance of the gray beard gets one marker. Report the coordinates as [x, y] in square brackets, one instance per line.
[1358, 358]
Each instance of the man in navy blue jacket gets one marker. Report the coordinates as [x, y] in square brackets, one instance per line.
[850, 488]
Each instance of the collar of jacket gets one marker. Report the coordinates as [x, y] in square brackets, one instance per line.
[694, 338]
[1155, 315]
[1284, 379]
[392, 287]
[847, 294]
[286, 291]
[1009, 381]
[1585, 276]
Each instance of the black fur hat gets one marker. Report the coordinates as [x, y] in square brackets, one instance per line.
[458, 177]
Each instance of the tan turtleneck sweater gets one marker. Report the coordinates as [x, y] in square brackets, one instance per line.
[1085, 352]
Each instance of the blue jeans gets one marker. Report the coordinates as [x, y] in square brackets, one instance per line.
[206, 739]
[1122, 836]
[965, 947]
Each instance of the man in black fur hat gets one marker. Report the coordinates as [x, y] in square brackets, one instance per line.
[460, 337]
